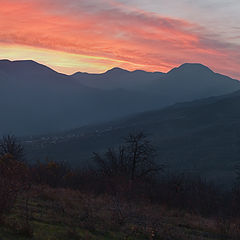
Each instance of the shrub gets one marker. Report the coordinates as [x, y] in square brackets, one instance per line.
[13, 179]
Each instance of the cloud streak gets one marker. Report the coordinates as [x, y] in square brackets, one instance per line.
[106, 33]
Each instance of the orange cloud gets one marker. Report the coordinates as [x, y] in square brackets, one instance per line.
[104, 34]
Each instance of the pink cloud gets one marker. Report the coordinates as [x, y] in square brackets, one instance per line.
[110, 30]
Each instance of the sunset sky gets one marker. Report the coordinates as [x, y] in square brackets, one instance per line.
[96, 35]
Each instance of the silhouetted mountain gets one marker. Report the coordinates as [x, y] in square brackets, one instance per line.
[118, 78]
[117, 71]
[193, 81]
[200, 137]
[187, 82]
[35, 99]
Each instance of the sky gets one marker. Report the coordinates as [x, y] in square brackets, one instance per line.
[96, 35]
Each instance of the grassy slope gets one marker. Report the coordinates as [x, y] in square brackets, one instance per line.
[68, 215]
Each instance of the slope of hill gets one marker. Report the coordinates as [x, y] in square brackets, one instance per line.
[65, 214]
[201, 136]
[34, 99]
[187, 82]
[193, 81]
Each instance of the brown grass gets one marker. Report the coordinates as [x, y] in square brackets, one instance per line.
[87, 216]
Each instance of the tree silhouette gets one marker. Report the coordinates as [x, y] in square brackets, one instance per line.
[14, 174]
[134, 159]
[10, 146]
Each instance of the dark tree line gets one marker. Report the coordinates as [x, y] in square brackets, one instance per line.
[129, 171]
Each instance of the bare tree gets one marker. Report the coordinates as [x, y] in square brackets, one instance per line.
[134, 159]
[113, 163]
[141, 155]
[10, 146]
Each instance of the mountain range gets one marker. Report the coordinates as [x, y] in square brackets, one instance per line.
[200, 137]
[35, 99]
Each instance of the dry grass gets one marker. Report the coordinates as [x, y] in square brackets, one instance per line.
[67, 214]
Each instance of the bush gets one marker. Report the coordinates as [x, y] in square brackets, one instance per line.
[13, 180]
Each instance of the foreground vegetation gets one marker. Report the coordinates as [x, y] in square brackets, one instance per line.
[122, 197]
[67, 214]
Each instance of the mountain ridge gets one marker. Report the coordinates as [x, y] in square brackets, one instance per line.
[36, 99]
[182, 66]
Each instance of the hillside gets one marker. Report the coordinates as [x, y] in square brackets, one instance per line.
[185, 83]
[64, 214]
[201, 137]
[37, 100]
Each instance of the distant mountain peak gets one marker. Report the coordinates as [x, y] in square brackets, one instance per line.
[24, 65]
[191, 68]
[195, 66]
[117, 70]
[4, 61]
[19, 61]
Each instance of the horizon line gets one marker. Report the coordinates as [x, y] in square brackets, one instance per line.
[110, 69]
